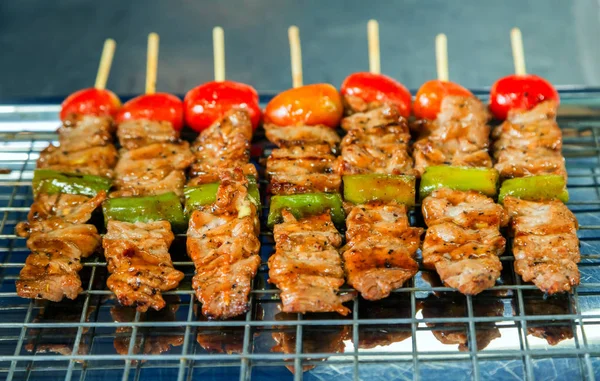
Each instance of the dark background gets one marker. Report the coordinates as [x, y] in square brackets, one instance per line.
[50, 48]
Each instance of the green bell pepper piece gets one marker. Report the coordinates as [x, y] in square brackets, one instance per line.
[544, 187]
[484, 180]
[52, 182]
[360, 189]
[162, 207]
[306, 204]
[206, 194]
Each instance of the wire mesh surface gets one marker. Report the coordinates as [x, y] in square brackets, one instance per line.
[423, 331]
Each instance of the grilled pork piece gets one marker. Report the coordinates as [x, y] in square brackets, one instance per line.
[222, 242]
[315, 339]
[377, 142]
[301, 135]
[97, 160]
[307, 266]
[151, 170]
[140, 133]
[546, 247]
[529, 143]
[380, 249]
[459, 136]
[302, 169]
[58, 239]
[223, 146]
[87, 131]
[139, 263]
[463, 241]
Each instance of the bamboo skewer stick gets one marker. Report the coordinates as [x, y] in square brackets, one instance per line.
[219, 53]
[152, 63]
[374, 55]
[108, 52]
[516, 41]
[441, 56]
[296, 56]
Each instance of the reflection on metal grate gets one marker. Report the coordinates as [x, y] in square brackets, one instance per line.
[424, 330]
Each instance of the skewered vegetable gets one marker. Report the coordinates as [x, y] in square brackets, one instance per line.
[483, 180]
[364, 91]
[90, 102]
[305, 205]
[157, 107]
[429, 98]
[360, 189]
[163, 207]
[52, 182]
[535, 188]
[520, 92]
[206, 194]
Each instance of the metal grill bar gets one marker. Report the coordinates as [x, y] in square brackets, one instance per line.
[27, 328]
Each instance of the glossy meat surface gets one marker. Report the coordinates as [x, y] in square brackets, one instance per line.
[224, 145]
[87, 131]
[379, 255]
[302, 169]
[301, 135]
[307, 266]
[139, 263]
[222, 241]
[529, 143]
[140, 133]
[376, 142]
[463, 240]
[459, 136]
[97, 160]
[546, 247]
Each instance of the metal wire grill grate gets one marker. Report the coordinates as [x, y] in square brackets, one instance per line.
[422, 331]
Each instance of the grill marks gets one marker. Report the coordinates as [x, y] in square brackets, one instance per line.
[85, 148]
[463, 240]
[154, 163]
[139, 263]
[58, 239]
[459, 136]
[222, 238]
[376, 142]
[545, 246]
[58, 235]
[529, 143]
[222, 242]
[137, 254]
[306, 265]
[380, 250]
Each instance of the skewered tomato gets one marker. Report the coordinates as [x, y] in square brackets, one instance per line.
[378, 88]
[309, 105]
[209, 102]
[521, 92]
[429, 97]
[90, 101]
[159, 106]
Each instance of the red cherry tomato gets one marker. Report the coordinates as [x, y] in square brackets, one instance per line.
[521, 92]
[378, 88]
[209, 102]
[159, 106]
[429, 97]
[309, 105]
[91, 102]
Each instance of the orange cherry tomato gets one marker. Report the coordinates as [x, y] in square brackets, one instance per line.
[90, 102]
[209, 102]
[307, 105]
[158, 106]
[520, 92]
[378, 88]
[429, 97]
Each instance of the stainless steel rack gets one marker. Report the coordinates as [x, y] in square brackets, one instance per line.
[424, 331]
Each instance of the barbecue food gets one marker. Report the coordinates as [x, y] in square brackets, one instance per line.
[58, 239]
[529, 143]
[140, 133]
[301, 135]
[463, 241]
[376, 142]
[307, 266]
[223, 146]
[380, 249]
[139, 263]
[546, 247]
[222, 242]
[459, 136]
